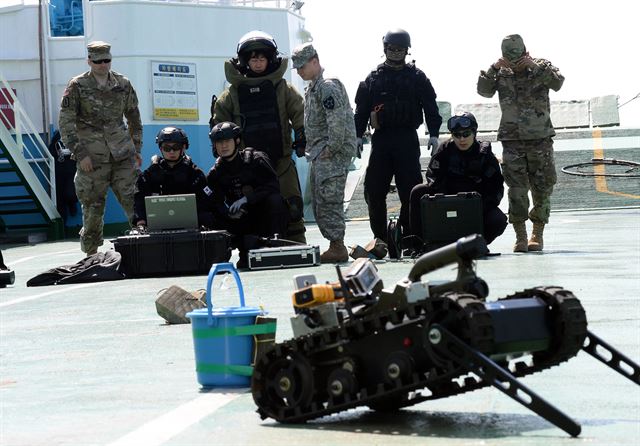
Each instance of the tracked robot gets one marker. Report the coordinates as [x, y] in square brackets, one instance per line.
[359, 344]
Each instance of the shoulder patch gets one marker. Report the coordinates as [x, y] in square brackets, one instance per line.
[207, 190]
[65, 101]
[329, 103]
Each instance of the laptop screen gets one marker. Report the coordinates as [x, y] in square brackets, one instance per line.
[171, 212]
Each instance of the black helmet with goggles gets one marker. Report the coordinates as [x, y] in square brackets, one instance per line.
[462, 121]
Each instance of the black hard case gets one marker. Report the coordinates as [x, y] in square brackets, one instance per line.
[284, 257]
[172, 253]
[446, 218]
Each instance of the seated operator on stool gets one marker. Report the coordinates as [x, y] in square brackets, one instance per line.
[463, 164]
[172, 173]
[244, 190]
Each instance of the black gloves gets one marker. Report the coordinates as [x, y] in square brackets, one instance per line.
[299, 142]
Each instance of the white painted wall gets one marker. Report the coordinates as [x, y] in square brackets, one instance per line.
[140, 31]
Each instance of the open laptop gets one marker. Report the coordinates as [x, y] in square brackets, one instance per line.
[171, 212]
[446, 218]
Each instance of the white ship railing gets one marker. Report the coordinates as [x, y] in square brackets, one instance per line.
[280, 4]
[28, 151]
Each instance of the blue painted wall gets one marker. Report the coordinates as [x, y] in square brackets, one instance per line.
[199, 151]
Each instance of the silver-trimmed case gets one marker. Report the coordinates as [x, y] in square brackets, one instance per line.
[283, 257]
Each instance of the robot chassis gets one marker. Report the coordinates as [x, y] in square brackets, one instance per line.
[359, 344]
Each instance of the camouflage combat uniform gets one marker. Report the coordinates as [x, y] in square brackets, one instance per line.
[526, 134]
[289, 107]
[331, 143]
[91, 124]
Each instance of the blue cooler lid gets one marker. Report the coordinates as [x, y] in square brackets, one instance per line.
[236, 311]
[226, 312]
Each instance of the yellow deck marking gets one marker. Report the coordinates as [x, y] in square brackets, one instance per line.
[601, 181]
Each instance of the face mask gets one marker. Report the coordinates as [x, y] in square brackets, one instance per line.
[395, 54]
[513, 47]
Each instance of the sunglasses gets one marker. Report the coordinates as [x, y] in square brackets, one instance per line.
[395, 48]
[101, 61]
[464, 134]
[172, 148]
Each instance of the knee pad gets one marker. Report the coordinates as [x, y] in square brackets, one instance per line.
[296, 208]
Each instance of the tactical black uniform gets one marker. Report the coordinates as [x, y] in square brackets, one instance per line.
[452, 170]
[161, 179]
[393, 100]
[249, 175]
[65, 167]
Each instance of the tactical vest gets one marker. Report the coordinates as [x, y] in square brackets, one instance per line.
[235, 175]
[472, 167]
[168, 180]
[395, 97]
[261, 118]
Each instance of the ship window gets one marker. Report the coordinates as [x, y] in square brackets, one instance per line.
[65, 18]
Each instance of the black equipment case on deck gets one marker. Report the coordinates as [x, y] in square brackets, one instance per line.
[284, 257]
[446, 218]
[172, 252]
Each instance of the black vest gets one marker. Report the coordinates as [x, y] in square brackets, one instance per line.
[470, 168]
[395, 94]
[261, 118]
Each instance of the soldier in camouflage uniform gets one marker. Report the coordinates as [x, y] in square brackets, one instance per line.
[331, 143]
[526, 133]
[106, 150]
[268, 108]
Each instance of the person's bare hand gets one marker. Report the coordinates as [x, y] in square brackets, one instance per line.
[325, 154]
[138, 160]
[525, 62]
[86, 165]
[502, 63]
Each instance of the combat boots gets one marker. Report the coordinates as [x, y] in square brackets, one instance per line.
[535, 242]
[521, 237]
[337, 253]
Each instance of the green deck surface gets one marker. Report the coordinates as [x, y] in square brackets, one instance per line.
[93, 364]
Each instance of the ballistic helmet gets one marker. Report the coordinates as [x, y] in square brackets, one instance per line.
[224, 130]
[462, 121]
[256, 41]
[172, 134]
[398, 37]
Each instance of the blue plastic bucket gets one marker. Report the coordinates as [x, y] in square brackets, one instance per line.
[223, 338]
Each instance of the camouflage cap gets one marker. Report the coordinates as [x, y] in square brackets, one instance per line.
[513, 47]
[302, 54]
[99, 50]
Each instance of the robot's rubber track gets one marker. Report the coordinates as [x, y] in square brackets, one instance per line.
[300, 402]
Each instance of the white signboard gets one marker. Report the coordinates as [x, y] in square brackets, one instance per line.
[175, 91]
